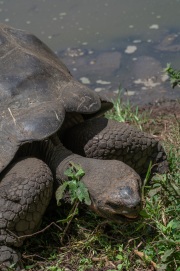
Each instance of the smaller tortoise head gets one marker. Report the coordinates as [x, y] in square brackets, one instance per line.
[114, 190]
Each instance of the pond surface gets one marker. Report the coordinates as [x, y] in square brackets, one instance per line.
[108, 43]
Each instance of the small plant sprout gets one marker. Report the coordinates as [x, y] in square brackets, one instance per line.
[76, 188]
[77, 193]
[174, 75]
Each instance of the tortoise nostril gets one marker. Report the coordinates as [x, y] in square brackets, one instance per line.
[125, 192]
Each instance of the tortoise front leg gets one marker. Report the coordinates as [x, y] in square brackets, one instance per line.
[25, 192]
[108, 139]
[9, 257]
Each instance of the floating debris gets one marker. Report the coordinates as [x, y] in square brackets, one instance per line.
[148, 83]
[164, 77]
[137, 41]
[129, 93]
[85, 80]
[130, 49]
[154, 26]
[103, 82]
[62, 14]
[98, 89]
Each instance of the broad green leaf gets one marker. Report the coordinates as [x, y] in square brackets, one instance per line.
[69, 173]
[59, 192]
[72, 190]
[83, 194]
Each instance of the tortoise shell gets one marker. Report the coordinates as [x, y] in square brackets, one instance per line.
[36, 90]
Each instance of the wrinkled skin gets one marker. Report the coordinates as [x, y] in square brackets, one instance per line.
[37, 93]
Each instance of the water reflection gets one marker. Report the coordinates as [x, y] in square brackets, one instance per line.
[107, 43]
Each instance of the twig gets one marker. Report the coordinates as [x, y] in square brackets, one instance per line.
[76, 204]
[143, 256]
[35, 233]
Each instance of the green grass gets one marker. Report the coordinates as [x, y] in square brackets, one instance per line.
[91, 243]
[125, 112]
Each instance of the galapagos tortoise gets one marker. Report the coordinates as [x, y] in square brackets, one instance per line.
[48, 120]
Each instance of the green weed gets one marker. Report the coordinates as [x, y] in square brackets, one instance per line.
[173, 74]
[76, 188]
[125, 112]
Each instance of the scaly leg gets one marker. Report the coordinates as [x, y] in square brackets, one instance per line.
[108, 139]
[25, 192]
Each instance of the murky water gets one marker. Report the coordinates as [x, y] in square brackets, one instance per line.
[107, 43]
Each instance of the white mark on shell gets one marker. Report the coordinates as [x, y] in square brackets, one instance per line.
[14, 120]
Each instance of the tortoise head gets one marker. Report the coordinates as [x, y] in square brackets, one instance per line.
[114, 190]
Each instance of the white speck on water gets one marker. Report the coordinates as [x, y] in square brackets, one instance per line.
[129, 93]
[6, 20]
[62, 14]
[116, 91]
[49, 37]
[1, 2]
[0, 9]
[158, 16]
[74, 69]
[85, 43]
[90, 52]
[98, 89]
[80, 28]
[42, 32]
[164, 77]
[130, 49]
[131, 26]
[154, 26]
[54, 19]
[28, 22]
[103, 82]
[92, 62]
[149, 40]
[137, 41]
[85, 80]
[147, 83]
[134, 58]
